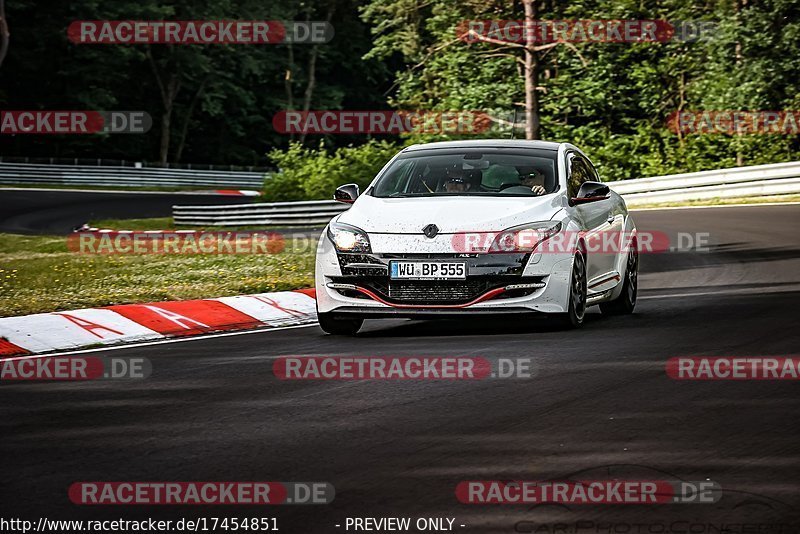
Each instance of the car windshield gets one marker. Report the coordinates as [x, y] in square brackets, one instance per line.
[475, 171]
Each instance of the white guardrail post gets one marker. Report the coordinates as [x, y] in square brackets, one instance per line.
[760, 180]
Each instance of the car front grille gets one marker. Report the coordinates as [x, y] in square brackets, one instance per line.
[484, 273]
[435, 292]
[439, 292]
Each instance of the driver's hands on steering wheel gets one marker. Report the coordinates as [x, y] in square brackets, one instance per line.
[538, 190]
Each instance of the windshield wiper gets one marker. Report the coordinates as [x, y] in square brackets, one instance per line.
[406, 195]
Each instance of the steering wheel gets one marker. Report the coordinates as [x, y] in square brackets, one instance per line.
[506, 186]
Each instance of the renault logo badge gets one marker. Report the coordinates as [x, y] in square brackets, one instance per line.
[430, 231]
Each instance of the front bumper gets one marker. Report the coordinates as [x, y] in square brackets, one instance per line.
[496, 283]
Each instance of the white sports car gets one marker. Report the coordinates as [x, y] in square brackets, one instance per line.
[477, 227]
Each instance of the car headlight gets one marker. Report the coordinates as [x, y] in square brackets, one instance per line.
[348, 238]
[524, 238]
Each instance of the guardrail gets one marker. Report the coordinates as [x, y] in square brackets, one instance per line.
[108, 162]
[760, 180]
[30, 174]
[308, 213]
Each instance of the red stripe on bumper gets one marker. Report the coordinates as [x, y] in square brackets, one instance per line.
[486, 296]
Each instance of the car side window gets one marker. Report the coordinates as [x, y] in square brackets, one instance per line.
[579, 172]
[595, 176]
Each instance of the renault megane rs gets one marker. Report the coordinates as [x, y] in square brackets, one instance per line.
[478, 227]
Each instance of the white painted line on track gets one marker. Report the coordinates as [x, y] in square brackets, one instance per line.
[745, 291]
[159, 342]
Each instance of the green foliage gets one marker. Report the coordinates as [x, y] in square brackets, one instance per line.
[227, 94]
[612, 99]
[314, 174]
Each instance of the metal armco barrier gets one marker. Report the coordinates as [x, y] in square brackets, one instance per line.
[755, 181]
[30, 174]
[760, 180]
[309, 213]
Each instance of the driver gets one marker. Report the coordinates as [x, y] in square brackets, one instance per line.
[456, 185]
[456, 180]
[534, 180]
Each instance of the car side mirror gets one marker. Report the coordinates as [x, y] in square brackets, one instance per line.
[590, 192]
[347, 193]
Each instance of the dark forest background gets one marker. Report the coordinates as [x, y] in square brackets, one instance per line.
[611, 99]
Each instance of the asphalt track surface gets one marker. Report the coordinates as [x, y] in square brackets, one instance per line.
[54, 211]
[601, 405]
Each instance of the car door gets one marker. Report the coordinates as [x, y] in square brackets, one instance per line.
[595, 217]
[612, 245]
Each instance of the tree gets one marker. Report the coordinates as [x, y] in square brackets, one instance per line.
[446, 48]
[4, 35]
[613, 99]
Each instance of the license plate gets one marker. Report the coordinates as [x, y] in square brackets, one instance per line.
[427, 270]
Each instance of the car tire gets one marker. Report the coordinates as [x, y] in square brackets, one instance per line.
[576, 309]
[626, 301]
[339, 326]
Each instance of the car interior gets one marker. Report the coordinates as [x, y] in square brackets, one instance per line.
[502, 174]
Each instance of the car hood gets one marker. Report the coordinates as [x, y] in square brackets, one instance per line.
[451, 214]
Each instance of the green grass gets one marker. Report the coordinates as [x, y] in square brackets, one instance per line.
[38, 274]
[156, 223]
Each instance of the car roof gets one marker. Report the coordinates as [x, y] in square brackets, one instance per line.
[486, 143]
